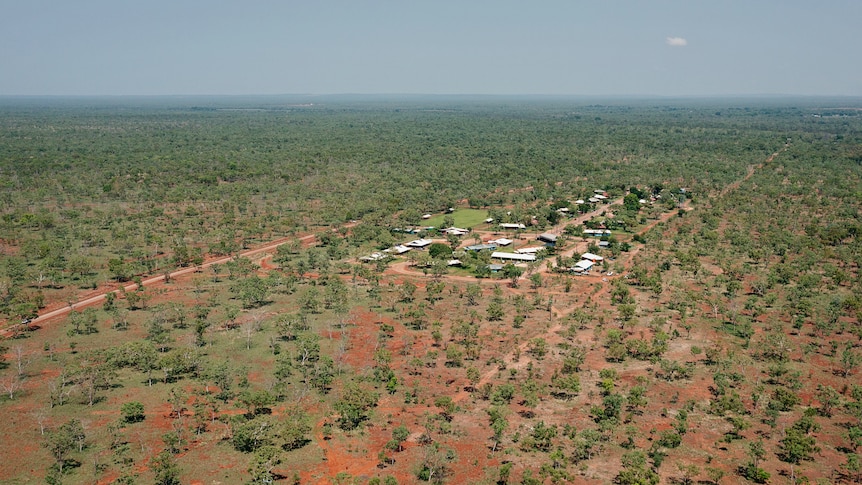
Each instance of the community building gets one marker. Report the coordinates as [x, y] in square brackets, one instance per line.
[513, 256]
[511, 226]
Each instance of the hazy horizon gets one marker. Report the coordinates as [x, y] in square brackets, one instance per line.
[665, 48]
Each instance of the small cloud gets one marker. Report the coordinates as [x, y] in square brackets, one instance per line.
[676, 42]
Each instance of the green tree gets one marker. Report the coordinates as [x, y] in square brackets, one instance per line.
[631, 203]
[166, 470]
[635, 470]
[266, 458]
[133, 412]
[354, 406]
[63, 441]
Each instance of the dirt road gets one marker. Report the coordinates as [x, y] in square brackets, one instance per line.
[154, 280]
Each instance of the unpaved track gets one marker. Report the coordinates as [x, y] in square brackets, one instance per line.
[155, 280]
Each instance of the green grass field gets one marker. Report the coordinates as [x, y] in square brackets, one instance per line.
[466, 218]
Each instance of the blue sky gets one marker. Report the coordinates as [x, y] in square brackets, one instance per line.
[626, 47]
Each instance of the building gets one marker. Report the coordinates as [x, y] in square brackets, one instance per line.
[530, 250]
[511, 226]
[501, 241]
[455, 231]
[548, 238]
[597, 232]
[592, 257]
[399, 249]
[513, 256]
[374, 257]
[583, 266]
[419, 243]
[481, 247]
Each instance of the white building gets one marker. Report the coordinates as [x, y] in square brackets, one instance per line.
[419, 243]
[513, 256]
[507, 225]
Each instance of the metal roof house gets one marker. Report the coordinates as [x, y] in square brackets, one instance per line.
[419, 243]
[583, 266]
[592, 257]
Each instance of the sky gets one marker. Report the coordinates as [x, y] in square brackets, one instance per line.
[494, 47]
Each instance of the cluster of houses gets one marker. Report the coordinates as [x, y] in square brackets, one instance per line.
[585, 265]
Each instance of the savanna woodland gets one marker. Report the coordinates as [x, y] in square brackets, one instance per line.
[220, 290]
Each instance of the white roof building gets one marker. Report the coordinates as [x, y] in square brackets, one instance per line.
[419, 243]
[583, 266]
[592, 257]
[531, 250]
[507, 225]
[456, 231]
[501, 241]
[399, 249]
[513, 256]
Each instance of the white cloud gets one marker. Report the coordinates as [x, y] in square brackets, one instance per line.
[676, 42]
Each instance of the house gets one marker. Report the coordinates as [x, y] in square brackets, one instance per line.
[592, 257]
[593, 200]
[419, 243]
[604, 244]
[513, 256]
[495, 267]
[510, 226]
[579, 202]
[600, 197]
[501, 241]
[374, 257]
[455, 231]
[548, 238]
[489, 220]
[454, 262]
[399, 249]
[530, 250]
[481, 247]
[583, 266]
[426, 216]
